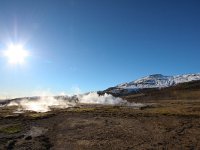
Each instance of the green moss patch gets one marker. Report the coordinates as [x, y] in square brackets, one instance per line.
[10, 129]
[38, 115]
[84, 109]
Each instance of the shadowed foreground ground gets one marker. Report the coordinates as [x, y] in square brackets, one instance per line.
[165, 125]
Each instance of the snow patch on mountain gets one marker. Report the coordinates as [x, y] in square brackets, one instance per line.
[155, 81]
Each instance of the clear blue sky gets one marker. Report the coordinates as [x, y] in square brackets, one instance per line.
[95, 44]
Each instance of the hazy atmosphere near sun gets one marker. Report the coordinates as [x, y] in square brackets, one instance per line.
[76, 46]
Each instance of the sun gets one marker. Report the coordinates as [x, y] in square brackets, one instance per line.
[16, 54]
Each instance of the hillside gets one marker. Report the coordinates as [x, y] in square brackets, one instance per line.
[182, 91]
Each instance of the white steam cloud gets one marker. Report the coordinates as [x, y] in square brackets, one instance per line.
[42, 104]
[94, 98]
[106, 99]
[45, 104]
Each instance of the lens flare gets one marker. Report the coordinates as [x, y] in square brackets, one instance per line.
[16, 54]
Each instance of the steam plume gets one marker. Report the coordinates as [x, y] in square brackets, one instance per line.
[45, 104]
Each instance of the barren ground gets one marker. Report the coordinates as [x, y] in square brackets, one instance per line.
[164, 125]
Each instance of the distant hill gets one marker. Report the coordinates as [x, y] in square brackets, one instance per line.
[182, 91]
[159, 87]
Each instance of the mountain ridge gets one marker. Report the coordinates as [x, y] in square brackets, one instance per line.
[153, 81]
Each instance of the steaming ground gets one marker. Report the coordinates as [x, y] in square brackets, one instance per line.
[45, 104]
[42, 104]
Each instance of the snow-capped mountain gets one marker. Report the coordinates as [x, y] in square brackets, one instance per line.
[154, 81]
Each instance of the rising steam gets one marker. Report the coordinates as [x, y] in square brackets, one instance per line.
[45, 104]
[94, 98]
[42, 104]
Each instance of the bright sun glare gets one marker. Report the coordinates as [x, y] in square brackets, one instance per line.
[16, 54]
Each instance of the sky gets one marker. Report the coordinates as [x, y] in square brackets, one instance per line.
[88, 45]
